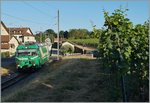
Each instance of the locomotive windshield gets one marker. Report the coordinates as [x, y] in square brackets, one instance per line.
[30, 52]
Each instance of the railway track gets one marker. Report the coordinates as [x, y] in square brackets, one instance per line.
[13, 80]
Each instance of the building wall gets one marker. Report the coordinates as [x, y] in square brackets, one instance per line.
[29, 38]
[28, 31]
[3, 31]
[15, 42]
[26, 38]
[12, 49]
[5, 50]
[19, 37]
[67, 43]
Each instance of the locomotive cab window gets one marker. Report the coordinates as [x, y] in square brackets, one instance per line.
[23, 53]
[31, 52]
[34, 53]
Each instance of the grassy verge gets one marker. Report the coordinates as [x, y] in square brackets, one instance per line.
[4, 71]
[70, 80]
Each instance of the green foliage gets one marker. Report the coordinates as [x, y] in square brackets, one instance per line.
[84, 33]
[93, 42]
[49, 33]
[78, 33]
[61, 33]
[125, 48]
[140, 50]
[67, 49]
[91, 35]
[5, 54]
[97, 32]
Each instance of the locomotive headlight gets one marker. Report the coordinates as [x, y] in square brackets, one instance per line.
[33, 63]
[17, 65]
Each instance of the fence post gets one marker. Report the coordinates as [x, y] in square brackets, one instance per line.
[92, 55]
[123, 89]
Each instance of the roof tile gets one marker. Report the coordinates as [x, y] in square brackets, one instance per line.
[20, 31]
[5, 46]
[4, 38]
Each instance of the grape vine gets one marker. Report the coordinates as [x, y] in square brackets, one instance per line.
[124, 47]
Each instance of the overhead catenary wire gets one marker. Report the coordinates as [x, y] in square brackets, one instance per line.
[40, 11]
[22, 19]
[46, 3]
[37, 9]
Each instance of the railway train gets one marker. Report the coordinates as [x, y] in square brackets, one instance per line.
[31, 56]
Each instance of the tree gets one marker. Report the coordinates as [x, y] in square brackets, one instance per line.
[41, 36]
[78, 33]
[38, 36]
[91, 34]
[61, 34]
[66, 34]
[51, 32]
[97, 32]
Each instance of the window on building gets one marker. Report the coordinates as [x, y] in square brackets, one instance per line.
[20, 36]
[27, 37]
[12, 46]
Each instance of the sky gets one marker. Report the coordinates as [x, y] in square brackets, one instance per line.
[42, 15]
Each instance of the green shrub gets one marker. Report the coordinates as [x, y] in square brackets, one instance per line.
[5, 54]
[67, 49]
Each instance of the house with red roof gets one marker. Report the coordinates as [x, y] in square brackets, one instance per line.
[12, 37]
[22, 34]
[8, 43]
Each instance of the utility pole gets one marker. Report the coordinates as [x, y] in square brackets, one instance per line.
[58, 38]
[9, 33]
[9, 38]
[40, 36]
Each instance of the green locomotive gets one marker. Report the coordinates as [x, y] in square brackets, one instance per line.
[30, 55]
